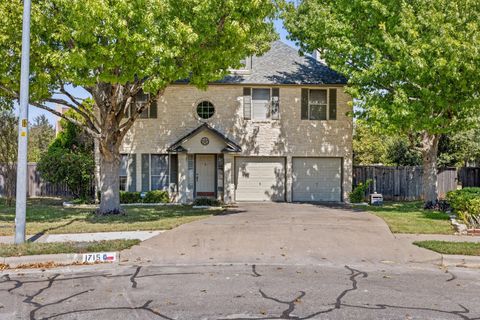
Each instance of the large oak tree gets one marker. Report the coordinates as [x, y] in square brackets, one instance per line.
[115, 49]
[413, 64]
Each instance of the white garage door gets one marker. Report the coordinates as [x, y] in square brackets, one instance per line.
[317, 179]
[260, 179]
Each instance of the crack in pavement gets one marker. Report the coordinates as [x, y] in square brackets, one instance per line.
[287, 314]
[254, 271]
[132, 278]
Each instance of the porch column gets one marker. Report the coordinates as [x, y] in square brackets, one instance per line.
[182, 178]
[289, 180]
[229, 174]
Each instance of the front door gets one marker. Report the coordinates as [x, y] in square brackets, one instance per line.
[205, 175]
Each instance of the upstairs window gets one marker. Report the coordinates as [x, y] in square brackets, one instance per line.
[140, 100]
[261, 103]
[319, 104]
[205, 110]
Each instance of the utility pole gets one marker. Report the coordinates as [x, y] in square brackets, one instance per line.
[21, 199]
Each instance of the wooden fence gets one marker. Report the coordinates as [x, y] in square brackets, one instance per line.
[395, 183]
[469, 177]
[405, 183]
[37, 187]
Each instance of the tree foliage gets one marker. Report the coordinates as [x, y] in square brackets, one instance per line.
[412, 64]
[117, 49]
[40, 135]
[8, 149]
[69, 159]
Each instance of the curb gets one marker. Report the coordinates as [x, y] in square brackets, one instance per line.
[450, 260]
[61, 259]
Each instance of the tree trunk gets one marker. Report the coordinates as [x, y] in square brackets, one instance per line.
[97, 157]
[429, 154]
[110, 182]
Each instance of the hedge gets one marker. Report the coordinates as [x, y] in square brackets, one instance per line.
[466, 204]
[154, 196]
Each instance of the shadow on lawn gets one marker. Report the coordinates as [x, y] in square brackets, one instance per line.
[406, 208]
[145, 214]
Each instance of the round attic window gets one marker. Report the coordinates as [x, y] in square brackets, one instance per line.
[205, 110]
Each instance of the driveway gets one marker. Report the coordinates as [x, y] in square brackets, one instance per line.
[279, 233]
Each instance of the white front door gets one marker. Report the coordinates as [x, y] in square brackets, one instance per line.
[205, 175]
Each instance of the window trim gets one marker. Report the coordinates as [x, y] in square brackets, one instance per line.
[270, 104]
[126, 171]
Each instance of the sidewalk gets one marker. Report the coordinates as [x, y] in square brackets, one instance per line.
[440, 237]
[83, 237]
[447, 259]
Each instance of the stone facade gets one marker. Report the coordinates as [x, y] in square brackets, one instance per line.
[287, 137]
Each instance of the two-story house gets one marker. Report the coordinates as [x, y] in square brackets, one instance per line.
[277, 130]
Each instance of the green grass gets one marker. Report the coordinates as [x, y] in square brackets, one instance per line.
[410, 217]
[446, 247]
[47, 215]
[32, 248]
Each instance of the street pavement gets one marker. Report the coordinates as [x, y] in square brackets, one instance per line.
[242, 292]
[259, 261]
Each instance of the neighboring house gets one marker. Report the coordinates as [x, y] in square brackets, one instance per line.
[277, 130]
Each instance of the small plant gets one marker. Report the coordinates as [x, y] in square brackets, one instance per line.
[156, 196]
[358, 193]
[207, 202]
[466, 204]
[130, 197]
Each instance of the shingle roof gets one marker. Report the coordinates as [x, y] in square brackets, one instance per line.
[231, 146]
[283, 64]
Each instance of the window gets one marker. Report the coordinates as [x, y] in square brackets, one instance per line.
[205, 110]
[155, 171]
[261, 103]
[123, 172]
[159, 172]
[141, 99]
[319, 104]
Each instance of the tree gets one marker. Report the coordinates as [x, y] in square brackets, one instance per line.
[8, 149]
[460, 149]
[41, 134]
[369, 145]
[117, 49]
[69, 159]
[412, 64]
[402, 153]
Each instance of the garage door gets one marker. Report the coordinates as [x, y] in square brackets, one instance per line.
[260, 179]
[317, 179]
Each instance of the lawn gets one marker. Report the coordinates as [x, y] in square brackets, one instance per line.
[33, 248]
[446, 247]
[46, 215]
[410, 217]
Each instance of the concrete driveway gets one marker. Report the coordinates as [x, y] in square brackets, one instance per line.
[279, 233]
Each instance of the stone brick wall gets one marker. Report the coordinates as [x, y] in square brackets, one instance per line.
[289, 136]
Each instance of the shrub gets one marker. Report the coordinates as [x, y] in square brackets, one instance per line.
[466, 204]
[358, 193]
[207, 202]
[156, 196]
[130, 197]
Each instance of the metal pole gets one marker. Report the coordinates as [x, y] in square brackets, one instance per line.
[21, 199]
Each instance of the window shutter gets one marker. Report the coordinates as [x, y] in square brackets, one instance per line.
[132, 173]
[275, 103]
[332, 106]
[173, 173]
[304, 104]
[153, 109]
[247, 103]
[145, 172]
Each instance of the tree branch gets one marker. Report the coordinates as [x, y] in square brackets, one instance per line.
[92, 131]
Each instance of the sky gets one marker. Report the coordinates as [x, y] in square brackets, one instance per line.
[79, 92]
